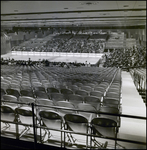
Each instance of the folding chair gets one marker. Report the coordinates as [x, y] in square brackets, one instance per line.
[27, 100]
[52, 120]
[81, 92]
[93, 100]
[57, 97]
[52, 90]
[76, 123]
[39, 88]
[98, 94]
[28, 93]
[87, 107]
[10, 98]
[2, 93]
[65, 104]
[66, 91]
[75, 99]
[86, 88]
[13, 92]
[7, 114]
[25, 116]
[103, 127]
[40, 94]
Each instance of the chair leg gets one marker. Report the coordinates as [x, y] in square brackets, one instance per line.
[24, 131]
[5, 127]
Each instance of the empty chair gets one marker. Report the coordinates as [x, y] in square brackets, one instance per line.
[75, 99]
[112, 110]
[45, 103]
[73, 87]
[27, 100]
[104, 127]
[6, 81]
[81, 92]
[13, 92]
[65, 104]
[25, 116]
[47, 85]
[39, 88]
[15, 86]
[60, 86]
[78, 84]
[113, 95]
[7, 114]
[36, 84]
[53, 120]
[28, 93]
[57, 97]
[100, 89]
[93, 100]
[66, 91]
[87, 107]
[98, 94]
[26, 87]
[41, 94]
[2, 93]
[86, 88]
[52, 90]
[10, 98]
[4, 85]
[92, 85]
[117, 90]
[76, 123]
[112, 102]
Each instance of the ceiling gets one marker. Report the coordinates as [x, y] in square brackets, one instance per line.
[73, 13]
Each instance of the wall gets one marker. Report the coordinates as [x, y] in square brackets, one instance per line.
[5, 45]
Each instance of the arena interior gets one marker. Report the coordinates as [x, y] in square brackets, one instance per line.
[73, 74]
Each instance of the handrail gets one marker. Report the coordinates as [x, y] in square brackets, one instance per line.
[78, 110]
[86, 134]
[67, 131]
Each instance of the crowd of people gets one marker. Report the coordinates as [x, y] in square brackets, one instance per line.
[67, 45]
[44, 62]
[75, 46]
[126, 58]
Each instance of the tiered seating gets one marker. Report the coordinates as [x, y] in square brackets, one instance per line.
[116, 40]
[44, 86]
[127, 58]
[130, 42]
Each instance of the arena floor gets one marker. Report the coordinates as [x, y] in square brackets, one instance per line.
[91, 60]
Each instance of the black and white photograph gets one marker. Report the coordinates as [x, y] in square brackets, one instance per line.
[73, 74]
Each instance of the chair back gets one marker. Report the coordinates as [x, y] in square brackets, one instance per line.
[7, 113]
[76, 122]
[51, 119]
[104, 127]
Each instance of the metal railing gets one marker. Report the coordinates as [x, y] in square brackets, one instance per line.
[35, 126]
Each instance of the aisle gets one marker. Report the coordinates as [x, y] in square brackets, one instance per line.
[132, 104]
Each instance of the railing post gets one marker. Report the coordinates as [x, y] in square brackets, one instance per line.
[34, 129]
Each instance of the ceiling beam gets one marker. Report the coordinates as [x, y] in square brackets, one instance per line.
[77, 11]
[74, 18]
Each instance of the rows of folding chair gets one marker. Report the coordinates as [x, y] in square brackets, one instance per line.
[80, 99]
